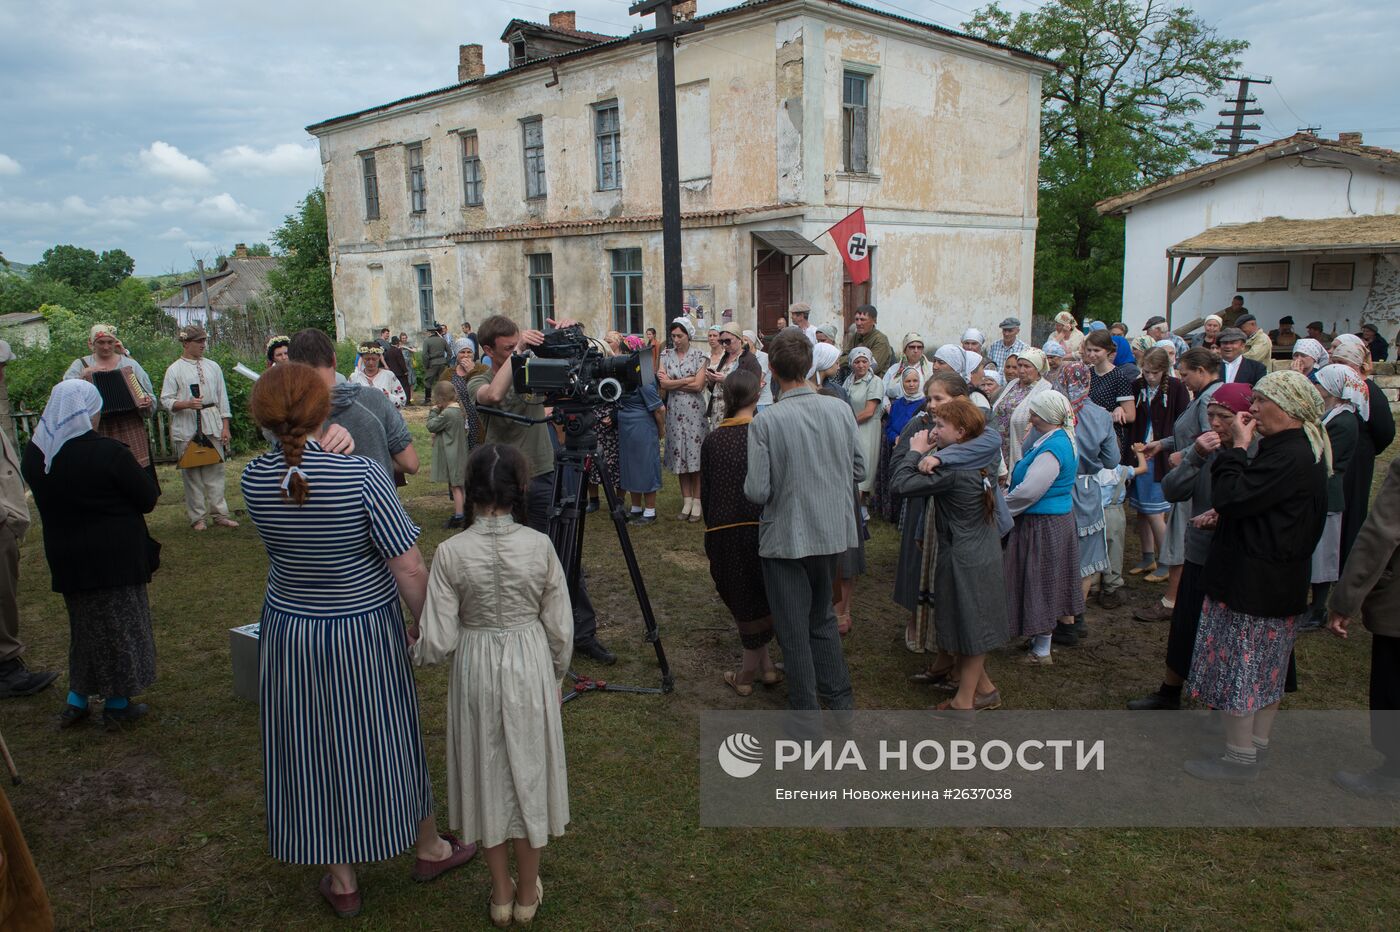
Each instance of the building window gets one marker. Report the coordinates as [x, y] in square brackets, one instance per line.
[417, 180]
[533, 131]
[541, 289]
[607, 145]
[471, 171]
[424, 276]
[627, 290]
[855, 109]
[371, 186]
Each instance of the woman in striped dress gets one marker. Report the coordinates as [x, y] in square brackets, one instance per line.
[345, 774]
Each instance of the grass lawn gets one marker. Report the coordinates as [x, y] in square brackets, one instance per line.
[161, 826]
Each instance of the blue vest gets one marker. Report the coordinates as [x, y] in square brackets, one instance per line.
[1058, 499]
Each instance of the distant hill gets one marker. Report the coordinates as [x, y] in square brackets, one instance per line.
[15, 268]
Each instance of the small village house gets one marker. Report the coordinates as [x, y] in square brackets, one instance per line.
[1303, 227]
[535, 191]
[239, 280]
[24, 329]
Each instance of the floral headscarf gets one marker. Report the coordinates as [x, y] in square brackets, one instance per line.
[1342, 382]
[1074, 380]
[1299, 398]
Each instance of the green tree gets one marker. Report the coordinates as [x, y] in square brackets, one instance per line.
[1116, 116]
[301, 284]
[84, 269]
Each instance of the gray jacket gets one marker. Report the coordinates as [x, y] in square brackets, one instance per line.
[1189, 481]
[803, 456]
[1192, 422]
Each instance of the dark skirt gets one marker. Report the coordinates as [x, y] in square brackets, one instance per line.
[884, 501]
[1041, 565]
[111, 648]
[851, 563]
[1241, 661]
[738, 576]
[607, 446]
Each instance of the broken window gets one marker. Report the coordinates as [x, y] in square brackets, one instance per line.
[424, 276]
[533, 131]
[541, 289]
[627, 290]
[855, 109]
[608, 145]
[471, 171]
[417, 180]
[371, 186]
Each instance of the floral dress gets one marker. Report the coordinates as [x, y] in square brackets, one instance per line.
[1006, 404]
[686, 425]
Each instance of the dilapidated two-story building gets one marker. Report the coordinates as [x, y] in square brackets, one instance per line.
[536, 191]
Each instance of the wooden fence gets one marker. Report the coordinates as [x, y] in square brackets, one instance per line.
[157, 428]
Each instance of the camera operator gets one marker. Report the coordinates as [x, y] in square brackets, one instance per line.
[499, 337]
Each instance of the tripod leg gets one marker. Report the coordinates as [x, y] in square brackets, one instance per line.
[566, 522]
[639, 586]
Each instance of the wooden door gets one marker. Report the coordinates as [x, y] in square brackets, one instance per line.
[852, 297]
[772, 291]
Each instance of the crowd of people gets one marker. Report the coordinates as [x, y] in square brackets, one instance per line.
[1005, 467]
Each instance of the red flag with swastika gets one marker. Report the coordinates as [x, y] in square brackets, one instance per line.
[849, 236]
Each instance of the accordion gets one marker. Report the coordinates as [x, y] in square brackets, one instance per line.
[121, 391]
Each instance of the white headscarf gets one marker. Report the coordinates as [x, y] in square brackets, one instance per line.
[461, 344]
[1313, 349]
[858, 353]
[1348, 338]
[972, 333]
[971, 363]
[1342, 382]
[684, 321]
[69, 413]
[824, 356]
[1054, 409]
[994, 375]
[952, 356]
[918, 393]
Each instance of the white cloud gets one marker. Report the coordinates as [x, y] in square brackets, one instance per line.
[284, 159]
[76, 206]
[166, 161]
[8, 166]
[224, 211]
[19, 211]
[175, 234]
[124, 207]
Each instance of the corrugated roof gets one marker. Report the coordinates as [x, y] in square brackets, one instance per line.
[709, 17]
[536, 230]
[567, 33]
[1377, 233]
[1288, 147]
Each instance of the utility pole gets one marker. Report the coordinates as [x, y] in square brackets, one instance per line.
[1231, 145]
[204, 288]
[664, 35]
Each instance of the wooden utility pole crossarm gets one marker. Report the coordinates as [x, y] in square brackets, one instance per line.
[664, 35]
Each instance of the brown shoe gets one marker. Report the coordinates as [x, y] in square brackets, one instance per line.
[346, 905]
[425, 871]
[1154, 612]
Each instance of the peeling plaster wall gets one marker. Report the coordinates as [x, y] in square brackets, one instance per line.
[950, 198]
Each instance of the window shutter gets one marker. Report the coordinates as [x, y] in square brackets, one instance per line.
[859, 161]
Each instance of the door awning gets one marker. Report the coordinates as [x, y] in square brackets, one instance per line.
[788, 243]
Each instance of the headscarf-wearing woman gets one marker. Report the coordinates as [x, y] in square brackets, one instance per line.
[128, 427]
[912, 355]
[1270, 514]
[1011, 410]
[969, 617]
[92, 497]
[825, 365]
[682, 380]
[1309, 355]
[1208, 337]
[914, 573]
[1041, 560]
[1346, 403]
[641, 425]
[342, 554]
[1068, 334]
[973, 340]
[992, 382]
[372, 374]
[1054, 359]
[1161, 398]
[1377, 432]
[865, 393]
[1123, 351]
[731, 534]
[1096, 449]
[884, 500]
[1141, 345]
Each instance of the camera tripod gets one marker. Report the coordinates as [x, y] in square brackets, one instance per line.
[566, 524]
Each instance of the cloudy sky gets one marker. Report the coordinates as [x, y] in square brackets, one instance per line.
[173, 131]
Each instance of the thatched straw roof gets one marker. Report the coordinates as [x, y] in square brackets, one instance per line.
[1367, 234]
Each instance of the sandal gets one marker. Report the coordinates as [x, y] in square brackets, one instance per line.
[985, 702]
[732, 678]
[947, 706]
[772, 678]
[199, 525]
[938, 679]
